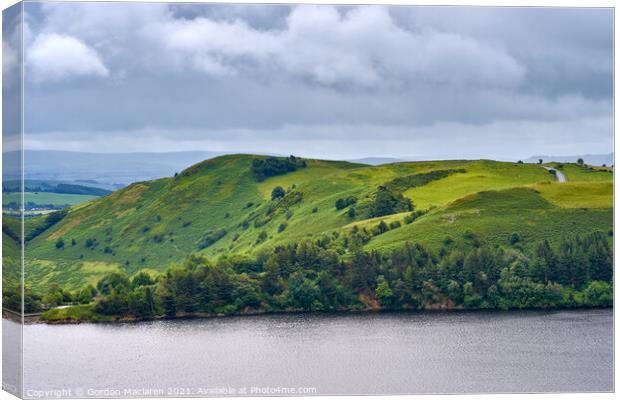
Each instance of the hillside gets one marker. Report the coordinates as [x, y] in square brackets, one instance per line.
[218, 207]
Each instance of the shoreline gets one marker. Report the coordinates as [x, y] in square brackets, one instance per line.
[34, 319]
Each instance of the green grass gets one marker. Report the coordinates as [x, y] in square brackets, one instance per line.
[480, 175]
[81, 313]
[573, 194]
[493, 216]
[150, 225]
[576, 173]
[56, 199]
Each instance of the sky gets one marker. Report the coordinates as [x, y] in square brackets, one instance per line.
[318, 81]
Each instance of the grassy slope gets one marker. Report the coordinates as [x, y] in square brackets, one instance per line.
[149, 225]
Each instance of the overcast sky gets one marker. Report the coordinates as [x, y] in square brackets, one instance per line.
[319, 81]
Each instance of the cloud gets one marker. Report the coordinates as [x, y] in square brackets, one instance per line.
[374, 80]
[54, 57]
[518, 139]
[362, 46]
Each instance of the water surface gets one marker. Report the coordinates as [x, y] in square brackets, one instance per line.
[395, 353]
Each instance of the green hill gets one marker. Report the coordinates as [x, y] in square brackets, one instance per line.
[221, 207]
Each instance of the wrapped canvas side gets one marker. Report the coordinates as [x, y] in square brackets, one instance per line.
[13, 305]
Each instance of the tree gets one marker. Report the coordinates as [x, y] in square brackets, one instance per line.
[303, 293]
[515, 238]
[277, 193]
[519, 162]
[580, 161]
[142, 279]
[351, 212]
[599, 294]
[540, 161]
[384, 292]
[344, 203]
[387, 202]
[380, 228]
[86, 295]
[113, 281]
[60, 243]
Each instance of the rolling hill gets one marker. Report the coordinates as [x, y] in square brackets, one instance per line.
[218, 207]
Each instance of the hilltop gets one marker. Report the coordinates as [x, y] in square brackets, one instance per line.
[219, 207]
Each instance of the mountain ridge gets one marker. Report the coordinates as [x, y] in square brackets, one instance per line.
[220, 210]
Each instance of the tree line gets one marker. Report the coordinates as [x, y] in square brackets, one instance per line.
[316, 276]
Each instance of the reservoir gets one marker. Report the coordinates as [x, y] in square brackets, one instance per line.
[322, 354]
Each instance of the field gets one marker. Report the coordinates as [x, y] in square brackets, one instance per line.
[47, 198]
[218, 208]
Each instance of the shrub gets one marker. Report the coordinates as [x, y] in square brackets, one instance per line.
[60, 243]
[469, 235]
[277, 193]
[351, 213]
[273, 166]
[262, 236]
[282, 227]
[380, 228]
[344, 203]
[413, 216]
[387, 202]
[394, 224]
[211, 237]
[315, 210]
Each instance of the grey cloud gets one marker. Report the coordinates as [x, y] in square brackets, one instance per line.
[251, 76]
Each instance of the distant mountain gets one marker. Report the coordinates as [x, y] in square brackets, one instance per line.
[592, 159]
[376, 160]
[111, 170]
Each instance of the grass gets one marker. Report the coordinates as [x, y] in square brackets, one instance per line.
[81, 313]
[572, 194]
[480, 175]
[493, 216]
[150, 225]
[45, 198]
[576, 173]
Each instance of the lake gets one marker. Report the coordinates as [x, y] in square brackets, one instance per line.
[395, 353]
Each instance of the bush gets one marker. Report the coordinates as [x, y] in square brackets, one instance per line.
[273, 166]
[351, 213]
[380, 228]
[387, 202]
[394, 224]
[344, 203]
[315, 210]
[515, 238]
[211, 237]
[413, 216]
[261, 237]
[598, 294]
[277, 193]
[282, 227]
[60, 243]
